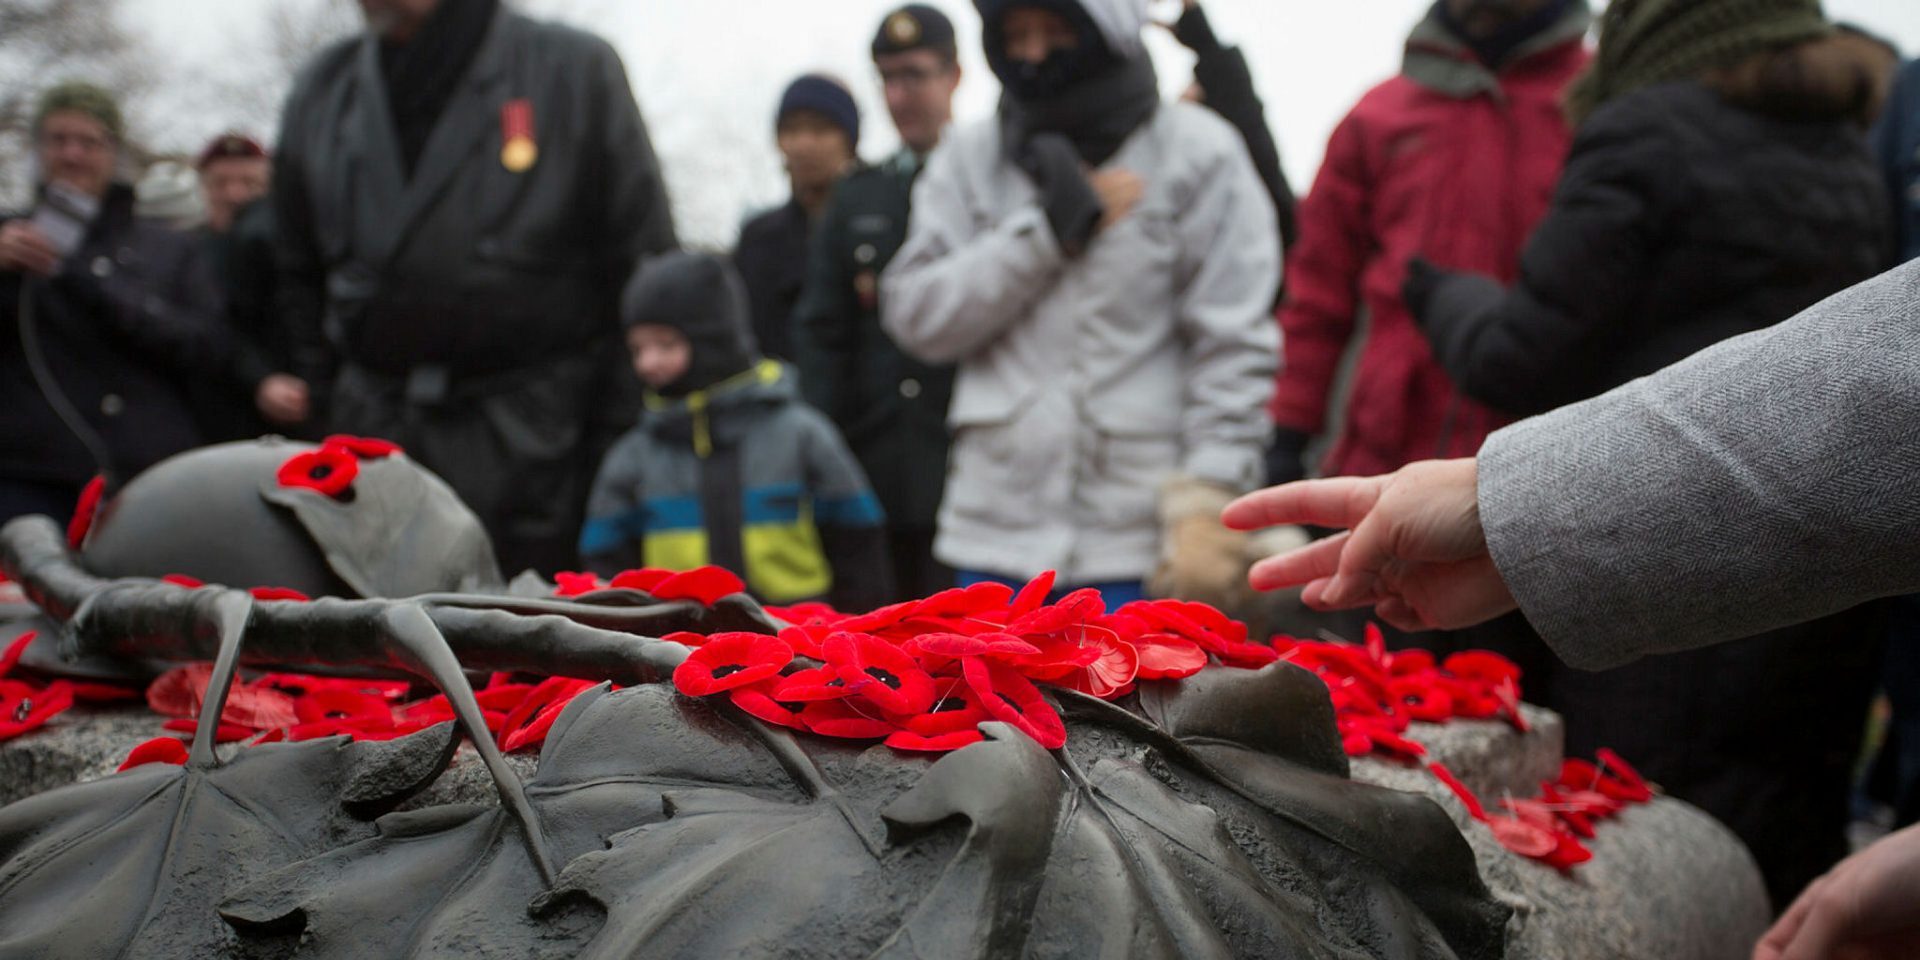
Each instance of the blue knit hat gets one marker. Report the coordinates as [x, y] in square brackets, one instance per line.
[825, 96]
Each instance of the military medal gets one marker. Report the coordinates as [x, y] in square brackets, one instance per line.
[867, 286]
[518, 151]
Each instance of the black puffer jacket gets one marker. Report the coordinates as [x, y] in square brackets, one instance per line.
[1681, 220]
[130, 320]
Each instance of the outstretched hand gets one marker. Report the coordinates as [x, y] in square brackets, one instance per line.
[1413, 546]
[1867, 908]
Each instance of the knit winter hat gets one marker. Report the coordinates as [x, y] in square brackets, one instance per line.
[80, 96]
[1644, 42]
[826, 96]
[703, 297]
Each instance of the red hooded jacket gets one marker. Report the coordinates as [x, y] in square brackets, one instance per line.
[1449, 161]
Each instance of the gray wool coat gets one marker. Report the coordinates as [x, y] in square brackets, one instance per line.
[1766, 481]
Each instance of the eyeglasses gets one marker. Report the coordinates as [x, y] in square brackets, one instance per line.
[910, 78]
[85, 141]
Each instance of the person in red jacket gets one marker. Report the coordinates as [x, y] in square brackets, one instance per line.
[1455, 158]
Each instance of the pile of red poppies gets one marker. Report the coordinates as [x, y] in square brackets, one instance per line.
[1378, 694]
[288, 706]
[922, 675]
[1550, 827]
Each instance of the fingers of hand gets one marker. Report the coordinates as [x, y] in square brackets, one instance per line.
[1295, 567]
[1336, 502]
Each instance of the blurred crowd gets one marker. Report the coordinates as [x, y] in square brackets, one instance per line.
[1057, 339]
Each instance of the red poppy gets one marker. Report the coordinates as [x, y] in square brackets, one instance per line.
[524, 725]
[25, 707]
[1567, 853]
[1164, 656]
[1114, 666]
[1032, 596]
[1482, 665]
[1617, 767]
[849, 719]
[878, 619]
[222, 733]
[328, 470]
[705, 584]
[1508, 694]
[729, 660]
[686, 638]
[1523, 838]
[365, 448]
[568, 583]
[805, 613]
[158, 750]
[180, 692]
[422, 714]
[956, 645]
[1248, 656]
[103, 693]
[760, 700]
[1013, 699]
[85, 510]
[908, 740]
[955, 707]
[642, 580]
[15, 651]
[808, 641]
[1408, 663]
[1472, 803]
[985, 597]
[807, 686]
[351, 707]
[502, 696]
[182, 580]
[879, 672]
[1073, 609]
[1421, 698]
[279, 593]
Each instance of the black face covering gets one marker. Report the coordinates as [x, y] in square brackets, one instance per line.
[1495, 49]
[423, 73]
[1063, 69]
[1097, 113]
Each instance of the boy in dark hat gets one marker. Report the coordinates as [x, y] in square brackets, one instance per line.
[817, 129]
[727, 466]
[891, 407]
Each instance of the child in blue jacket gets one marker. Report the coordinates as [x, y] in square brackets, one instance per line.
[727, 466]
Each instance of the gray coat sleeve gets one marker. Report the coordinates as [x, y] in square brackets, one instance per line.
[1769, 480]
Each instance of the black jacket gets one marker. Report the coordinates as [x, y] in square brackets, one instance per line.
[891, 407]
[1681, 220]
[469, 262]
[772, 259]
[131, 319]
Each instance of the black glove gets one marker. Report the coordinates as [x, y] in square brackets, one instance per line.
[1286, 456]
[1417, 290]
[1194, 32]
[1072, 207]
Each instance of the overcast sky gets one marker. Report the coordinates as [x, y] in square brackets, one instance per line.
[709, 72]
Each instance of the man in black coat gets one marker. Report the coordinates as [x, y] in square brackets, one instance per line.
[461, 194]
[817, 129]
[104, 318]
[891, 407]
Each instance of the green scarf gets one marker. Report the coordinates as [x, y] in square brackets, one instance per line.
[1644, 42]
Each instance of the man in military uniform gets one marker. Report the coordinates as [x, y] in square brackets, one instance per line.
[892, 408]
[461, 194]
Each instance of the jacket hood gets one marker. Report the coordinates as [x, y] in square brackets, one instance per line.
[703, 297]
[1438, 59]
